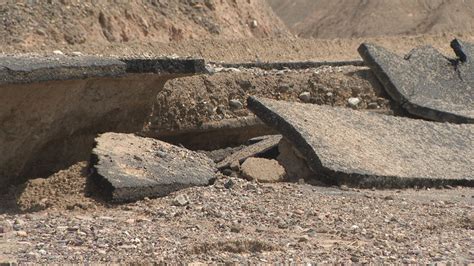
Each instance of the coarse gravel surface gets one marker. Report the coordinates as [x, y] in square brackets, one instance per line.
[237, 221]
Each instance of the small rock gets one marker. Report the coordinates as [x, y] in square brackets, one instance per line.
[235, 229]
[181, 200]
[254, 24]
[58, 52]
[303, 239]
[373, 106]
[305, 97]
[344, 188]
[76, 53]
[227, 172]
[263, 170]
[353, 102]
[21, 234]
[235, 104]
[283, 88]
[229, 184]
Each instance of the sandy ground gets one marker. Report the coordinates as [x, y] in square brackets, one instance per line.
[252, 50]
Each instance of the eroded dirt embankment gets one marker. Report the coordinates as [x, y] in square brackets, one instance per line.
[31, 24]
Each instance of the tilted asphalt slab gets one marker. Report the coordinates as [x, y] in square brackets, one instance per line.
[364, 149]
[426, 83]
[128, 167]
[24, 69]
[52, 107]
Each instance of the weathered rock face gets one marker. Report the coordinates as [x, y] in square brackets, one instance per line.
[371, 150]
[426, 83]
[263, 170]
[52, 108]
[129, 167]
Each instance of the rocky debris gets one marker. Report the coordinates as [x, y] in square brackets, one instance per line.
[75, 98]
[372, 150]
[259, 148]
[305, 97]
[181, 200]
[354, 102]
[252, 223]
[262, 170]
[294, 163]
[128, 167]
[235, 104]
[426, 83]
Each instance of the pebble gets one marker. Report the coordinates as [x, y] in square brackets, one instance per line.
[353, 101]
[22, 234]
[235, 104]
[76, 53]
[305, 96]
[373, 106]
[181, 200]
[58, 52]
[229, 184]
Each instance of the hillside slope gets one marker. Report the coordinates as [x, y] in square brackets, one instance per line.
[366, 18]
[81, 22]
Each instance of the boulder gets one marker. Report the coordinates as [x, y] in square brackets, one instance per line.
[263, 170]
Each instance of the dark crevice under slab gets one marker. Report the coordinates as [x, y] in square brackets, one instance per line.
[363, 149]
[426, 83]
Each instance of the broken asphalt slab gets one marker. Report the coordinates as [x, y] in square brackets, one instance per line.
[363, 149]
[26, 69]
[426, 83]
[128, 167]
[53, 107]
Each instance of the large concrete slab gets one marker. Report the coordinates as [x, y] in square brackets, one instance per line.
[365, 149]
[129, 167]
[51, 108]
[426, 83]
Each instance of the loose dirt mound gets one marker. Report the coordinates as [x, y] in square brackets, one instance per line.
[66, 189]
[362, 18]
[76, 22]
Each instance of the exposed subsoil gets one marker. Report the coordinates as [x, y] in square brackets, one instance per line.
[189, 102]
[31, 24]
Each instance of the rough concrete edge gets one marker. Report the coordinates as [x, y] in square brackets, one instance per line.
[332, 177]
[114, 68]
[291, 65]
[404, 101]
